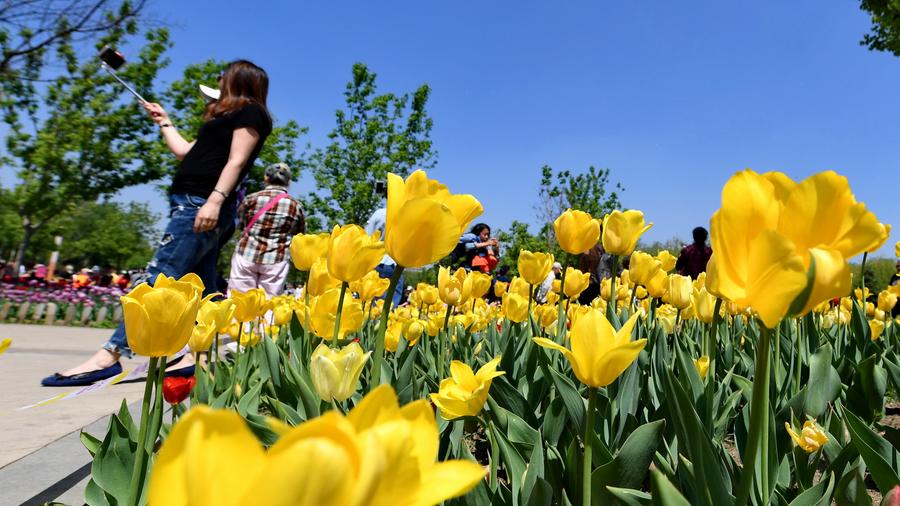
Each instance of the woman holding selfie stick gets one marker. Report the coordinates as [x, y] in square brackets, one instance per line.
[202, 202]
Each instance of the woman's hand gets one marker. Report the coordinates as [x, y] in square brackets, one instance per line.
[156, 113]
[207, 217]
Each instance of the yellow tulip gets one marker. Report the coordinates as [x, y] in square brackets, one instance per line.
[885, 233]
[599, 353]
[500, 288]
[666, 260]
[642, 267]
[641, 293]
[412, 330]
[453, 289]
[810, 439]
[897, 249]
[576, 231]
[323, 314]
[329, 460]
[335, 373]
[621, 231]
[369, 286]
[392, 336]
[658, 285]
[221, 312]
[202, 336]
[352, 253]
[307, 248]
[545, 315]
[519, 286]
[428, 294]
[424, 220]
[702, 365]
[752, 263]
[679, 291]
[886, 301]
[320, 281]
[665, 316]
[434, 324]
[534, 267]
[159, 320]
[282, 313]
[250, 338]
[480, 283]
[249, 305]
[4, 345]
[704, 304]
[515, 307]
[552, 298]
[876, 327]
[576, 282]
[465, 392]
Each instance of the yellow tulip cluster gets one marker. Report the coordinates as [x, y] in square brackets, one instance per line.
[329, 460]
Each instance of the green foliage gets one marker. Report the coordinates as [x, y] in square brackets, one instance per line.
[878, 273]
[79, 138]
[885, 34]
[29, 29]
[374, 135]
[95, 233]
[518, 238]
[187, 108]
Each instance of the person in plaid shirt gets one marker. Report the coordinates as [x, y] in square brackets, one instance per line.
[269, 219]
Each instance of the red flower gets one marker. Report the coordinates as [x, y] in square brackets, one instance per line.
[177, 389]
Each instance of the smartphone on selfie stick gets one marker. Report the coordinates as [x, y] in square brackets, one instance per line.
[112, 60]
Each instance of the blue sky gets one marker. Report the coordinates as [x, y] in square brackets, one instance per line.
[673, 97]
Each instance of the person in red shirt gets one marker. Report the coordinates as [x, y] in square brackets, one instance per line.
[693, 257]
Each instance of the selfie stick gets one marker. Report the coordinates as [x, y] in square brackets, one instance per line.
[116, 76]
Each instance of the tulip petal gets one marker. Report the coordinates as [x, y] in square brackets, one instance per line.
[202, 449]
[832, 279]
[424, 431]
[777, 275]
[463, 375]
[613, 363]
[423, 232]
[445, 480]
[380, 403]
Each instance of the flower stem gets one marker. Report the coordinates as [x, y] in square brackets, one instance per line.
[440, 342]
[141, 456]
[759, 422]
[337, 316]
[611, 305]
[588, 448]
[495, 454]
[379, 339]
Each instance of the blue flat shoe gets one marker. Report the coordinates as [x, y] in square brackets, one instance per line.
[184, 372]
[82, 379]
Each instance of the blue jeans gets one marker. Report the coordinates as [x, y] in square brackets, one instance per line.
[181, 251]
[385, 271]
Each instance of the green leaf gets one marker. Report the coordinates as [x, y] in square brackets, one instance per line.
[249, 402]
[630, 466]
[819, 495]
[113, 464]
[95, 496]
[875, 451]
[664, 493]
[90, 442]
[630, 497]
[824, 384]
[572, 399]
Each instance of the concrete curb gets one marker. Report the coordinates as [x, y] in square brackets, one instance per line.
[57, 472]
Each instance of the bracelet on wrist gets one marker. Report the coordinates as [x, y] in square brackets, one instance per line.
[220, 192]
[164, 125]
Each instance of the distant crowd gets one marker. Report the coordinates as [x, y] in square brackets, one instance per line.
[38, 275]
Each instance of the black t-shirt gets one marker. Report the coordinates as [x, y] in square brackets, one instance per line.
[199, 171]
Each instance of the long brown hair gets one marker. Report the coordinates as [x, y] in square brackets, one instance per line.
[242, 83]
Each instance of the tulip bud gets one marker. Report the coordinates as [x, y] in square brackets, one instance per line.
[621, 231]
[810, 439]
[702, 365]
[679, 292]
[576, 231]
[335, 373]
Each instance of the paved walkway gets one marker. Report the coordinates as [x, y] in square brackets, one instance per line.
[37, 351]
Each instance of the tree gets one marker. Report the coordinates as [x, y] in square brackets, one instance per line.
[561, 190]
[29, 28]
[78, 138]
[885, 34]
[374, 135]
[187, 108]
[107, 233]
